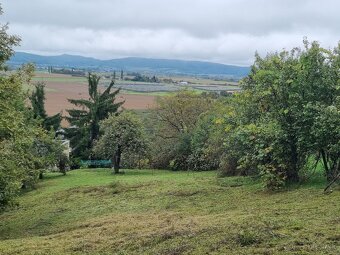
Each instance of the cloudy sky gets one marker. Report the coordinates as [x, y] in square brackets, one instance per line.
[225, 31]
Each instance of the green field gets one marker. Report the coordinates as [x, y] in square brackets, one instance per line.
[68, 79]
[29, 88]
[163, 212]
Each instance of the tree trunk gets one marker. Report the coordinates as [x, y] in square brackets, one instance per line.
[116, 161]
[139, 163]
[293, 171]
[325, 164]
[41, 176]
[292, 175]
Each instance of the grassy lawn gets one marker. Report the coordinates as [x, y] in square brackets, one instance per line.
[163, 212]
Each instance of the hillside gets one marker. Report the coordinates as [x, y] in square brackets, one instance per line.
[163, 212]
[164, 66]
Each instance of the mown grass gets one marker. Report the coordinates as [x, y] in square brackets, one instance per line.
[162, 212]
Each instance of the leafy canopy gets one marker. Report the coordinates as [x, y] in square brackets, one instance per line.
[122, 135]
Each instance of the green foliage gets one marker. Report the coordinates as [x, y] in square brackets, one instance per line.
[7, 42]
[10, 175]
[85, 119]
[25, 149]
[286, 113]
[37, 100]
[63, 162]
[207, 140]
[325, 133]
[16, 138]
[74, 163]
[175, 119]
[123, 135]
[38, 106]
[144, 78]
[47, 150]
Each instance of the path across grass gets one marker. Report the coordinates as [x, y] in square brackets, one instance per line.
[162, 212]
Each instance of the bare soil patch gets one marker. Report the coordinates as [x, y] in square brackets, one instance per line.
[59, 91]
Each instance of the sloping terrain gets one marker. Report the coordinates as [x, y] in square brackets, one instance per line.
[163, 212]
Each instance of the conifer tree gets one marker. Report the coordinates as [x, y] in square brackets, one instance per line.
[85, 119]
[38, 106]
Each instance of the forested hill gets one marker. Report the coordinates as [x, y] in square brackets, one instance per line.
[165, 66]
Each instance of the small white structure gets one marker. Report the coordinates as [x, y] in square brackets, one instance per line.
[183, 83]
[60, 135]
[67, 148]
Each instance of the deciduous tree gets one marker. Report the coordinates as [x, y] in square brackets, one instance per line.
[123, 134]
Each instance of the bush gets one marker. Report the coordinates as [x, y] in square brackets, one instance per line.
[228, 167]
[75, 163]
[63, 163]
[248, 237]
[273, 177]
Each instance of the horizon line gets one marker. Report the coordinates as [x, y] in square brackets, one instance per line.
[154, 58]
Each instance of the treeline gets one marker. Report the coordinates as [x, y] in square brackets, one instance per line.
[285, 120]
[70, 71]
[143, 78]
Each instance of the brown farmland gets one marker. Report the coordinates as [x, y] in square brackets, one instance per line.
[59, 88]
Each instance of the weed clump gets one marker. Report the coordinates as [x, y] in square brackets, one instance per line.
[248, 237]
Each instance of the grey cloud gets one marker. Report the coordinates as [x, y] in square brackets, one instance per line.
[216, 30]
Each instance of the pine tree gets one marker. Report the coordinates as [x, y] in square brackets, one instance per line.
[38, 106]
[37, 100]
[84, 122]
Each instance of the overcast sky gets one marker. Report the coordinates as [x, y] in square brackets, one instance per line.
[225, 31]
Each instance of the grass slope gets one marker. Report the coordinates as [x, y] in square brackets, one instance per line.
[162, 212]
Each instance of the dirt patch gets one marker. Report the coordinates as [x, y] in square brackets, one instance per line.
[57, 101]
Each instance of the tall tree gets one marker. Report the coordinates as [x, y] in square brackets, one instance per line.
[37, 100]
[176, 118]
[38, 106]
[290, 112]
[84, 121]
[7, 42]
[24, 145]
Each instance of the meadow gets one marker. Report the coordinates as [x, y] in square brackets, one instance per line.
[92, 211]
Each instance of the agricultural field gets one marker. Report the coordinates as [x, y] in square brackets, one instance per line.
[188, 83]
[60, 87]
[137, 95]
[163, 212]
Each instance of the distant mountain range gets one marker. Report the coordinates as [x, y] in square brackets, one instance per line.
[164, 66]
